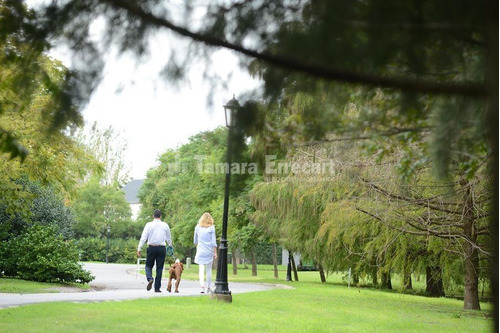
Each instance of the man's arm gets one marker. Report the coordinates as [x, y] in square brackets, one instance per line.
[168, 236]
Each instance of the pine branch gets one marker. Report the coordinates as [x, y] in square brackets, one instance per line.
[426, 232]
[418, 202]
[394, 131]
[328, 73]
[405, 26]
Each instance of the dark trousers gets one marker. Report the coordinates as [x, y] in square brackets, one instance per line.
[155, 254]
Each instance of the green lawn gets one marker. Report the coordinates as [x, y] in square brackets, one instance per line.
[19, 286]
[265, 274]
[310, 307]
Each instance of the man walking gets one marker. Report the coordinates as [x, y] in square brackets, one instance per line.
[157, 235]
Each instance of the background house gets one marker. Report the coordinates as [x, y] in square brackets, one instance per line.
[131, 190]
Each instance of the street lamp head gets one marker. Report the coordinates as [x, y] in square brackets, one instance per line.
[109, 229]
[230, 111]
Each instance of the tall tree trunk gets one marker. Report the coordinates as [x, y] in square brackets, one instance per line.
[254, 262]
[238, 257]
[434, 280]
[407, 274]
[374, 276]
[294, 268]
[471, 295]
[245, 266]
[407, 281]
[355, 278]
[386, 282]
[275, 261]
[321, 273]
[235, 264]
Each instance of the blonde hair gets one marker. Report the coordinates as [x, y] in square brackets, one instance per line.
[206, 220]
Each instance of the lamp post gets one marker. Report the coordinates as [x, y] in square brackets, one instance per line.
[222, 291]
[289, 268]
[108, 228]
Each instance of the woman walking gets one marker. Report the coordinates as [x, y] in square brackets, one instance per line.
[206, 249]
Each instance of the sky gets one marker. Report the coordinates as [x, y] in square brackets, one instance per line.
[150, 114]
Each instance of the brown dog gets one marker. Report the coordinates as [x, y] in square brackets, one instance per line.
[175, 273]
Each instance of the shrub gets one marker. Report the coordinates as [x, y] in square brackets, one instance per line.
[8, 262]
[120, 250]
[41, 254]
[40, 204]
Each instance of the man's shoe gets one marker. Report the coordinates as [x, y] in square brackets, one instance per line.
[158, 291]
[150, 284]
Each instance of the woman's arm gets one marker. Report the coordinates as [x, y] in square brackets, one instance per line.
[214, 243]
[195, 237]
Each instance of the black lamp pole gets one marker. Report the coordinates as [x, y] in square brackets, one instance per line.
[222, 291]
[289, 268]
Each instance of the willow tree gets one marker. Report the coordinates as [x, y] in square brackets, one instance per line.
[314, 214]
[369, 215]
[455, 212]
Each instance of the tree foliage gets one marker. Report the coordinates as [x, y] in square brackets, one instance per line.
[190, 181]
[108, 149]
[363, 215]
[45, 207]
[98, 206]
[27, 75]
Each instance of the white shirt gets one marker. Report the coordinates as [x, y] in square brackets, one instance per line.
[156, 233]
[204, 239]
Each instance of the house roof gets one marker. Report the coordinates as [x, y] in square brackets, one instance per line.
[131, 190]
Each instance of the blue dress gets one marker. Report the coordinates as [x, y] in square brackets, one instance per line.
[204, 239]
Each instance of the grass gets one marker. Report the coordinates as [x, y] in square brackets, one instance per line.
[310, 307]
[265, 274]
[18, 286]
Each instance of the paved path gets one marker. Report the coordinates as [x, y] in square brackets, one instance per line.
[119, 282]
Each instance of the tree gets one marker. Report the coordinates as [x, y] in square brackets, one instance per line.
[379, 41]
[108, 149]
[453, 211]
[38, 187]
[190, 181]
[422, 222]
[45, 207]
[183, 189]
[27, 76]
[98, 206]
